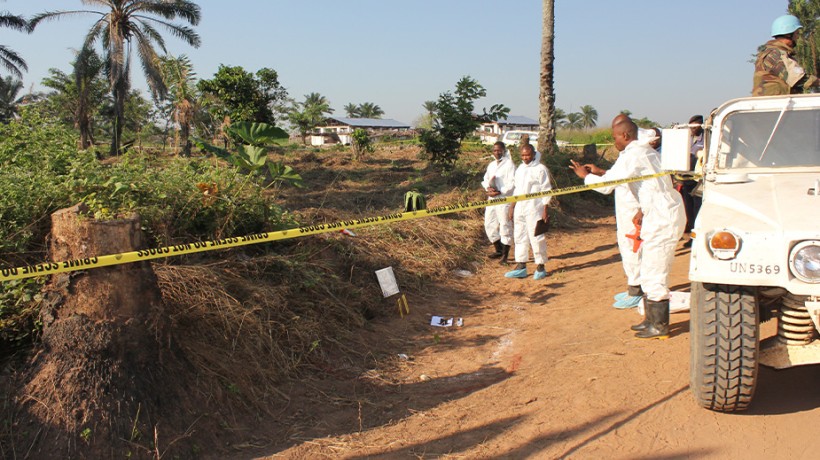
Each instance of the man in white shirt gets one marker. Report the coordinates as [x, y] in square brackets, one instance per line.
[499, 182]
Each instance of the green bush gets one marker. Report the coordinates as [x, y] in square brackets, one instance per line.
[36, 156]
[179, 200]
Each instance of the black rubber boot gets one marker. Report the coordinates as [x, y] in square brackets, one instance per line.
[645, 323]
[635, 291]
[505, 254]
[657, 312]
[498, 250]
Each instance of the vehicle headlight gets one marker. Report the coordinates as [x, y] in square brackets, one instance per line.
[724, 244]
[804, 261]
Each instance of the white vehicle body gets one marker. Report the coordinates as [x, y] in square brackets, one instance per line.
[511, 138]
[514, 137]
[756, 251]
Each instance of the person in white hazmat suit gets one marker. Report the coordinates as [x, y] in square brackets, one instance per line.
[661, 217]
[530, 177]
[626, 206]
[499, 182]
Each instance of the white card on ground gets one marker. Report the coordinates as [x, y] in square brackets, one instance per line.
[387, 281]
[441, 321]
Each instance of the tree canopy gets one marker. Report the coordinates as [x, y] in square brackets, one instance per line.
[124, 23]
[455, 120]
[238, 95]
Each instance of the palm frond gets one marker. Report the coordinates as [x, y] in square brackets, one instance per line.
[10, 21]
[12, 61]
[184, 33]
[186, 10]
[150, 65]
[151, 34]
[55, 15]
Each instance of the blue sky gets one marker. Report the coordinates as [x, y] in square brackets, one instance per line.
[662, 59]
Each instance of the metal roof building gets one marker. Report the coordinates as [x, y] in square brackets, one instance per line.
[339, 129]
[384, 123]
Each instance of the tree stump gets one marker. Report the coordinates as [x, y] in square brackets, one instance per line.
[590, 153]
[99, 373]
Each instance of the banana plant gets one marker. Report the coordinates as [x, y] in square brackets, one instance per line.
[251, 156]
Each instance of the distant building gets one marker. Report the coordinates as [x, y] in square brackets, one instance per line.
[492, 132]
[338, 130]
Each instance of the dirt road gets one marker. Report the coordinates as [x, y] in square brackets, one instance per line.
[546, 369]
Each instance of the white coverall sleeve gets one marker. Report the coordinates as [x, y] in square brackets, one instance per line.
[507, 179]
[489, 174]
[622, 169]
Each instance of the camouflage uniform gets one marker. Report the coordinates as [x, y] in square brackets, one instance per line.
[777, 72]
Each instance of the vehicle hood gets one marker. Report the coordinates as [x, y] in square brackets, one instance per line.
[773, 202]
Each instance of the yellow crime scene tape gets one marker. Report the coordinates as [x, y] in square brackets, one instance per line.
[52, 268]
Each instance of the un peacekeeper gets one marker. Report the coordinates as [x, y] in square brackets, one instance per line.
[776, 70]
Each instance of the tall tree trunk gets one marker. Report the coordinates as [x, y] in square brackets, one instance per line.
[546, 98]
[84, 125]
[185, 139]
[120, 94]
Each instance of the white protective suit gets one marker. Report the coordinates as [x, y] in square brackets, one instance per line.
[530, 178]
[663, 214]
[501, 176]
[626, 206]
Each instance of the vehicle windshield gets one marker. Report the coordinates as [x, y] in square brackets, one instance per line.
[770, 139]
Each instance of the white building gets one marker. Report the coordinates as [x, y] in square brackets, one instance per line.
[338, 130]
[492, 132]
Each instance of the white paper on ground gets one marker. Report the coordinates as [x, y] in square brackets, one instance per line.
[446, 321]
[441, 321]
[387, 281]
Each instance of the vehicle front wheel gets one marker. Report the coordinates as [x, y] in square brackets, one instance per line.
[724, 345]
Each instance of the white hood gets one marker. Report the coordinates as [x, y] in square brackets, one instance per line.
[775, 202]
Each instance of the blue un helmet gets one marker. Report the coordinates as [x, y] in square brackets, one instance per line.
[785, 25]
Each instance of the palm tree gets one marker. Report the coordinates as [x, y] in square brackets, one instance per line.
[307, 115]
[9, 89]
[589, 116]
[430, 107]
[546, 96]
[79, 94]
[317, 100]
[126, 21]
[575, 120]
[370, 110]
[559, 117]
[8, 58]
[178, 75]
[352, 110]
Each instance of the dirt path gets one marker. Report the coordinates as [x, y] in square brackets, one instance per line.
[549, 370]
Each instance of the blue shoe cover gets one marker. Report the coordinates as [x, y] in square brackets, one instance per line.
[622, 295]
[539, 275]
[520, 273]
[628, 302]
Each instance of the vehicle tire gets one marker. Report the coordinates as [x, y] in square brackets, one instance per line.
[724, 343]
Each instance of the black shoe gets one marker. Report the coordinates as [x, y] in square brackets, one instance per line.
[640, 326]
[498, 249]
[505, 254]
[645, 323]
[657, 315]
